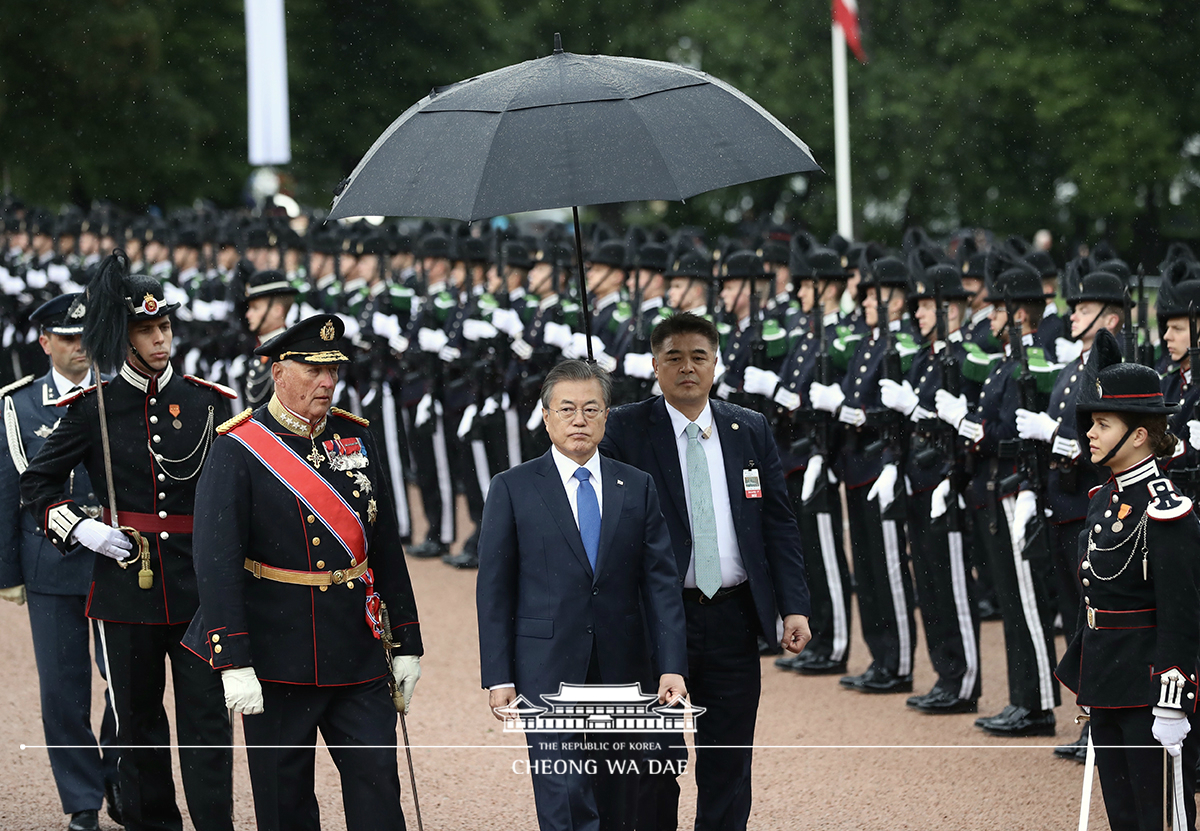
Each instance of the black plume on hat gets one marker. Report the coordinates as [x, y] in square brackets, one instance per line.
[105, 333]
[1113, 386]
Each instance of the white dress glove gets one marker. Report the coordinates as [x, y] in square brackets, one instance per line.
[468, 418]
[1066, 351]
[431, 340]
[508, 322]
[899, 397]
[103, 539]
[1170, 732]
[1193, 433]
[885, 487]
[853, 416]
[14, 594]
[476, 330]
[556, 334]
[812, 476]
[950, 409]
[639, 365]
[1038, 426]
[577, 348]
[1025, 510]
[243, 693]
[406, 669]
[759, 381]
[938, 502]
[424, 410]
[827, 397]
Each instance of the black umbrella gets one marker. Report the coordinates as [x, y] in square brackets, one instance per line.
[568, 130]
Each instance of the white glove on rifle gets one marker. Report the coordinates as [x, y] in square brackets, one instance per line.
[951, 409]
[759, 381]
[899, 397]
[1066, 351]
[508, 322]
[1170, 732]
[938, 501]
[475, 330]
[853, 416]
[243, 693]
[424, 410]
[639, 365]
[406, 669]
[431, 340]
[1039, 426]
[827, 397]
[556, 334]
[103, 539]
[812, 477]
[468, 418]
[885, 487]
[1193, 433]
[1025, 510]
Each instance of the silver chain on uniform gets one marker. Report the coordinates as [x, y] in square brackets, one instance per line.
[1136, 535]
[205, 443]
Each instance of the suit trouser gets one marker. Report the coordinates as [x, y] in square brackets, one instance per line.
[828, 572]
[1064, 547]
[1130, 777]
[60, 631]
[725, 678]
[946, 596]
[427, 444]
[282, 773]
[881, 576]
[1025, 608]
[136, 657]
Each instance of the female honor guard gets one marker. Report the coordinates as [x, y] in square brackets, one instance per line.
[1133, 660]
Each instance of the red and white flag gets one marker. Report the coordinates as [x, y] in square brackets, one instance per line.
[845, 14]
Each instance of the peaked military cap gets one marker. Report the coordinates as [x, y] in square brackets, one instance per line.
[314, 340]
[61, 315]
[267, 283]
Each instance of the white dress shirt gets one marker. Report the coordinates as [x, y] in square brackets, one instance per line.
[566, 471]
[64, 384]
[733, 571]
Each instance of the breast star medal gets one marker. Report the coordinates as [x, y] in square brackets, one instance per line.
[362, 482]
[372, 511]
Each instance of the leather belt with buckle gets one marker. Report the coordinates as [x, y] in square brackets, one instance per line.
[722, 594]
[305, 578]
[1137, 619]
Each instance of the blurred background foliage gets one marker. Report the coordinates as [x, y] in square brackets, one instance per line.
[1081, 116]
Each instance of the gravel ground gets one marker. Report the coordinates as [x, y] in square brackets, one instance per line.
[828, 757]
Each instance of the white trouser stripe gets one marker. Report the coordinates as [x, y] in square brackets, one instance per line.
[482, 471]
[891, 547]
[108, 678]
[1177, 806]
[962, 609]
[445, 484]
[833, 577]
[1033, 620]
[391, 441]
[512, 429]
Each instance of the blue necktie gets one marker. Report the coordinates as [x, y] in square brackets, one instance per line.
[589, 516]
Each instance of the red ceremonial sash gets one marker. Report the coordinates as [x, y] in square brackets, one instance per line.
[309, 486]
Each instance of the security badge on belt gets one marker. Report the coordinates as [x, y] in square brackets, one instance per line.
[752, 482]
[345, 454]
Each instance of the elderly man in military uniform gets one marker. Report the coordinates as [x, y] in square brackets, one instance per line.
[55, 586]
[143, 452]
[302, 584]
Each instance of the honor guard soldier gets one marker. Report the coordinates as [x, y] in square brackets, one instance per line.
[1097, 305]
[977, 329]
[1132, 662]
[1178, 302]
[868, 464]
[758, 342]
[303, 584]
[605, 277]
[269, 298]
[1002, 498]
[1053, 326]
[143, 438]
[56, 586]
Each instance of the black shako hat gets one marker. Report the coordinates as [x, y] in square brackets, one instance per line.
[314, 340]
[1101, 287]
[889, 272]
[516, 255]
[691, 264]
[268, 283]
[1020, 285]
[1112, 386]
[827, 264]
[610, 253]
[61, 315]
[743, 265]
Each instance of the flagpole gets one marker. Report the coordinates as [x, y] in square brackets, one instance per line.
[841, 135]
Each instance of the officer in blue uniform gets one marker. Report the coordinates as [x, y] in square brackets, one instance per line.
[56, 586]
[1133, 660]
[297, 556]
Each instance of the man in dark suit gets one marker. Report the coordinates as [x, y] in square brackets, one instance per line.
[736, 545]
[573, 545]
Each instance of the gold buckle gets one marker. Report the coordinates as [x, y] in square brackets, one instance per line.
[1091, 617]
[339, 577]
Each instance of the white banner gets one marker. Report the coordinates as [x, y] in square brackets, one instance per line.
[267, 87]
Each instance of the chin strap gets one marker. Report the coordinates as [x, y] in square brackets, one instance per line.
[141, 360]
[1116, 447]
[1099, 314]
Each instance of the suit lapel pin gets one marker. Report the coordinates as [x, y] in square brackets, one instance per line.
[619, 482]
[734, 426]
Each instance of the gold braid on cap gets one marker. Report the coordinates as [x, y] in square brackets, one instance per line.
[332, 356]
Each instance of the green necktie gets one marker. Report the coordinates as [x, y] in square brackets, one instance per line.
[704, 520]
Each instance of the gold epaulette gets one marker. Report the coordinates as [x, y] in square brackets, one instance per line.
[235, 421]
[338, 411]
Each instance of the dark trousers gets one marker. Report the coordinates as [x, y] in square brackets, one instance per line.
[358, 724]
[1064, 547]
[427, 444]
[60, 631]
[881, 575]
[946, 596]
[1131, 778]
[1025, 608]
[724, 677]
[828, 572]
[136, 657]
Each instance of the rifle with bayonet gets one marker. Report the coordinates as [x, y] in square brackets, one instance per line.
[1129, 334]
[887, 420]
[1145, 348]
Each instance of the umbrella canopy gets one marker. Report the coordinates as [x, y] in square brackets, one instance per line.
[568, 130]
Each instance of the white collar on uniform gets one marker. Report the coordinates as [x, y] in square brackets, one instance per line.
[142, 381]
[547, 301]
[651, 303]
[981, 314]
[1147, 468]
[607, 300]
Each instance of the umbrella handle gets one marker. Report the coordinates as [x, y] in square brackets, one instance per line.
[583, 298]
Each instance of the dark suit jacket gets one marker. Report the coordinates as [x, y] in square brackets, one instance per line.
[768, 538]
[541, 607]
